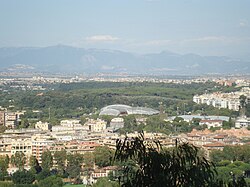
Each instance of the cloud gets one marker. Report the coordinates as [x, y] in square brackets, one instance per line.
[216, 40]
[243, 23]
[207, 39]
[148, 43]
[102, 38]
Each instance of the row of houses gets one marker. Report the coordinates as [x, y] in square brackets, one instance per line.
[216, 140]
[223, 100]
[214, 121]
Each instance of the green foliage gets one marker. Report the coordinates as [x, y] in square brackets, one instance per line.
[103, 156]
[196, 121]
[43, 174]
[18, 160]
[74, 165]
[2, 128]
[217, 156]
[23, 177]
[224, 163]
[88, 159]
[130, 124]
[25, 185]
[233, 159]
[34, 165]
[156, 123]
[60, 158]
[232, 153]
[154, 167]
[51, 181]
[228, 125]
[47, 160]
[4, 162]
[6, 184]
[104, 182]
[77, 99]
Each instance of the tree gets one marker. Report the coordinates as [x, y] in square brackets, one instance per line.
[243, 104]
[23, 177]
[43, 174]
[51, 181]
[179, 167]
[89, 161]
[104, 182]
[34, 165]
[216, 156]
[24, 123]
[74, 165]
[196, 121]
[60, 158]
[2, 128]
[18, 160]
[103, 156]
[47, 160]
[4, 162]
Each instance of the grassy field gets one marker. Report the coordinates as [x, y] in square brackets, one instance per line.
[74, 185]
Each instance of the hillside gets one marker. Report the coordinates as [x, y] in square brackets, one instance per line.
[65, 59]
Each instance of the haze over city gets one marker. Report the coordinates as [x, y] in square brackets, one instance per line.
[115, 93]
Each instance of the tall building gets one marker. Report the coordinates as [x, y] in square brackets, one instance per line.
[10, 119]
[2, 118]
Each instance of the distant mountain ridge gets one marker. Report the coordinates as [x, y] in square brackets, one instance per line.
[78, 60]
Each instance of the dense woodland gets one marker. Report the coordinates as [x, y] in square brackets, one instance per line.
[76, 100]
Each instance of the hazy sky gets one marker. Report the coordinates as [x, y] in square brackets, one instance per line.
[206, 27]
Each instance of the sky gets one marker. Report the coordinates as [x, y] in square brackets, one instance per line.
[205, 27]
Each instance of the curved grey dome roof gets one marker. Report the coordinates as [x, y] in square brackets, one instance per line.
[115, 110]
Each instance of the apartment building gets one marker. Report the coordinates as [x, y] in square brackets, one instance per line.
[116, 123]
[96, 125]
[223, 100]
[39, 145]
[45, 126]
[10, 119]
[242, 122]
[211, 123]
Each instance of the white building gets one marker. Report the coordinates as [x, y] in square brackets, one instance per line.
[70, 122]
[223, 100]
[71, 125]
[96, 125]
[211, 123]
[43, 126]
[242, 122]
[116, 123]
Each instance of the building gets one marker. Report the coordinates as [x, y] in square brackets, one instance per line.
[2, 118]
[116, 123]
[39, 145]
[69, 126]
[10, 119]
[70, 122]
[223, 100]
[118, 109]
[189, 118]
[96, 125]
[242, 122]
[43, 126]
[211, 123]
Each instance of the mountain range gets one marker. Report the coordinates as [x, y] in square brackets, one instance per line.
[66, 59]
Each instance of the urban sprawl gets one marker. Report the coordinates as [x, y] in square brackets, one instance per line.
[76, 136]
